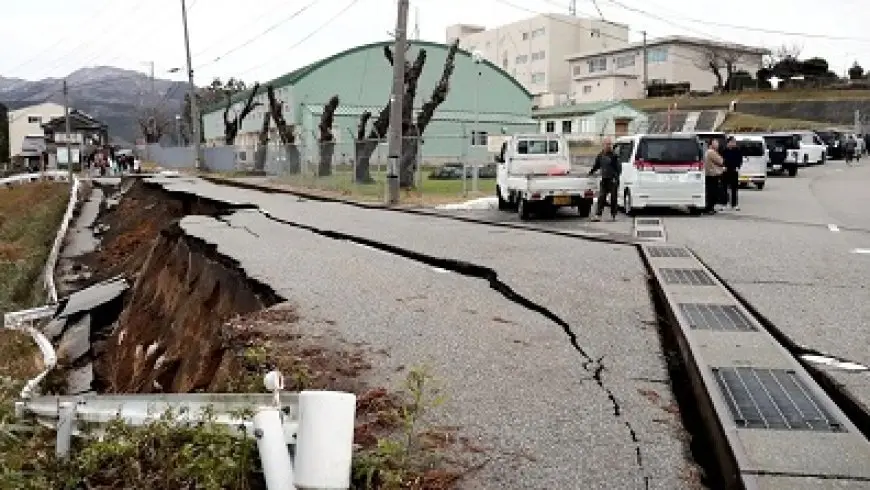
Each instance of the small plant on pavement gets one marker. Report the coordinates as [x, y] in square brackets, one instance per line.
[399, 460]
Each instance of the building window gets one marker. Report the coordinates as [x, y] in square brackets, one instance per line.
[538, 77]
[34, 119]
[566, 127]
[595, 33]
[525, 36]
[522, 59]
[587, 89]
[658, 55]
[577, 70]
[479, 138]
[539, 55]
[538, 32]
[550, 127]
[596, 65]
[625, 61]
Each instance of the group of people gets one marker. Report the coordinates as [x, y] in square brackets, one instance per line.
[107, 163]
[722, 175]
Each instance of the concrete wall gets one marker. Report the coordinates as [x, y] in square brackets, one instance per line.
[219, 159]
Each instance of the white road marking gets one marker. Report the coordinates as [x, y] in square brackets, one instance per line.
[438, 269]
[834, 228]
[863, 251]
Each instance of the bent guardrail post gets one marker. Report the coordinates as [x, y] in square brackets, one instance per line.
[274, 456]
[66, 412]
[324, 443]
[23, 321]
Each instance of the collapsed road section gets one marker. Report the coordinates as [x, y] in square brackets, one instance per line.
[551, 369]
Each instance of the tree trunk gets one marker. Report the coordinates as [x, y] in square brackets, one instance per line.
[409, 163]
[327, 150]
[263, 148]
[363, 151]
[293, 160]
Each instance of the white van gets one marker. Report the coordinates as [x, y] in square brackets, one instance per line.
[660, 171]
[754, 168]
[812, 150]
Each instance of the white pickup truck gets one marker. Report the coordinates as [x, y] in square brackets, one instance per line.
[534, 176]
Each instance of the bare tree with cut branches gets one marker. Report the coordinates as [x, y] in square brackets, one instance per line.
[232, 124]
[326, 138]
[285, 133]
[153, 124]
[263, 148]
[365, 145]
[718, 59]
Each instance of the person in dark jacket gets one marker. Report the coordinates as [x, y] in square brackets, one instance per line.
[611, 169]
[732, 159]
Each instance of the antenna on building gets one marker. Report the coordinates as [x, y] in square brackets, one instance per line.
[572, 8]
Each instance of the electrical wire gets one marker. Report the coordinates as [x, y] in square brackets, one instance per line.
[306, 38]
[261, 34]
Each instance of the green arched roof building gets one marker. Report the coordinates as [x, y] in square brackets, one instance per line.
[482, 97]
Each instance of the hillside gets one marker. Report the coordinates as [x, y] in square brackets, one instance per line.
[112, 95]
[824, 106]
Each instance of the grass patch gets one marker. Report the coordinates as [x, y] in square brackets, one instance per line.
[721, 101]
[742, 122]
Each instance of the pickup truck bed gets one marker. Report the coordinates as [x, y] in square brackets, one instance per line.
[545, 193]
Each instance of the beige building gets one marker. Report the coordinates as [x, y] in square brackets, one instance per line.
[617, 74]
[28, 121]
[534, 50]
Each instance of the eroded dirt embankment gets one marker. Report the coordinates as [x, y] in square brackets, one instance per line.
[169, 335]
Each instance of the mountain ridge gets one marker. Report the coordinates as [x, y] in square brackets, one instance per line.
[114, 96]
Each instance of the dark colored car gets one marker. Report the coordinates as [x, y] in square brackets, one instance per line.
[778, 146]
[453, 171]
[833, 140]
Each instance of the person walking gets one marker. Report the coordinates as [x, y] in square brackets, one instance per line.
[611, 170]
[849, 149]
[713, 169]
[732, 159]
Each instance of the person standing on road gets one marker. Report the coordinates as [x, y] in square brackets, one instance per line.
[849, 148]
[611, 169]
[713, 168]
[732, 160]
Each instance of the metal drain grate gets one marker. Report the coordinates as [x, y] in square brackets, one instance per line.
[772, 399]
[667, 252]
[649, 233]
[688, 277]
[648, 221]
[716, 317]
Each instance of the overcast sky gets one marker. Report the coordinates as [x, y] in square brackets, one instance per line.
[51, 38]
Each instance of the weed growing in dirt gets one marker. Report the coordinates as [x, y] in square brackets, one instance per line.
[400, 461]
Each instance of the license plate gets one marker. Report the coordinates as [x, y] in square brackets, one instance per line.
[744, 179]
[670, 178]
[562, 200]
[777, 167]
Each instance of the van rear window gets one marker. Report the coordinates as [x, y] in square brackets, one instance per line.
[669, 150]
[537, 147]
[785, 142]
[751, 148]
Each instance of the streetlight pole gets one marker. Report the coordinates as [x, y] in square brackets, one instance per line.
[178, 128]
[194, 107]
[396, 101]
[478, 57]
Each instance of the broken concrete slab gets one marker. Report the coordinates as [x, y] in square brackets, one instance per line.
[76, 341]
[80, 381]
[54, 328]
[89, 298]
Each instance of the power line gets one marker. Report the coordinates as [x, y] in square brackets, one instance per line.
[309, 36]
[749, 28]
[261, 34]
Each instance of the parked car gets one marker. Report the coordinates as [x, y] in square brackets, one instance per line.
[811, 149]
[754, 169]
[833, 139]
[453, 171]
[778, 147]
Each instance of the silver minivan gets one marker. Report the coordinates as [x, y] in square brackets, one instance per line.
[754, 169]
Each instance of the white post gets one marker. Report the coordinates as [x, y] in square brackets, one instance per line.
[324, 444]
[274, 455]
[65, 421]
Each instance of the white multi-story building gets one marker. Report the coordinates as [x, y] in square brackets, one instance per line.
[534, 51]
[617, 73]
[28, 121]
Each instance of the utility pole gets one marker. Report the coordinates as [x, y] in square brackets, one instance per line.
[194, 107]
[395, 149]
[645, 68]
[69, 159]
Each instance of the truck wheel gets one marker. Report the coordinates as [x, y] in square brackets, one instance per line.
[759, 185]
[626, 203]
[824, 158]
[523, 209]
[502, 204]
[792, 171]
[806, 160]
[584, 209]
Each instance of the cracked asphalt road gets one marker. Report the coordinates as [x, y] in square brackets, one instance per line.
[513, 378]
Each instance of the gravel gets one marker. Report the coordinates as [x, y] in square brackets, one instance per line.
[549, 425]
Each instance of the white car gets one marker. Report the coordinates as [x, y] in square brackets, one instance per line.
[754, 168]
[812, 150]
[660, 171]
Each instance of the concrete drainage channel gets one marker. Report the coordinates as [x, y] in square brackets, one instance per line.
[738, 383]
